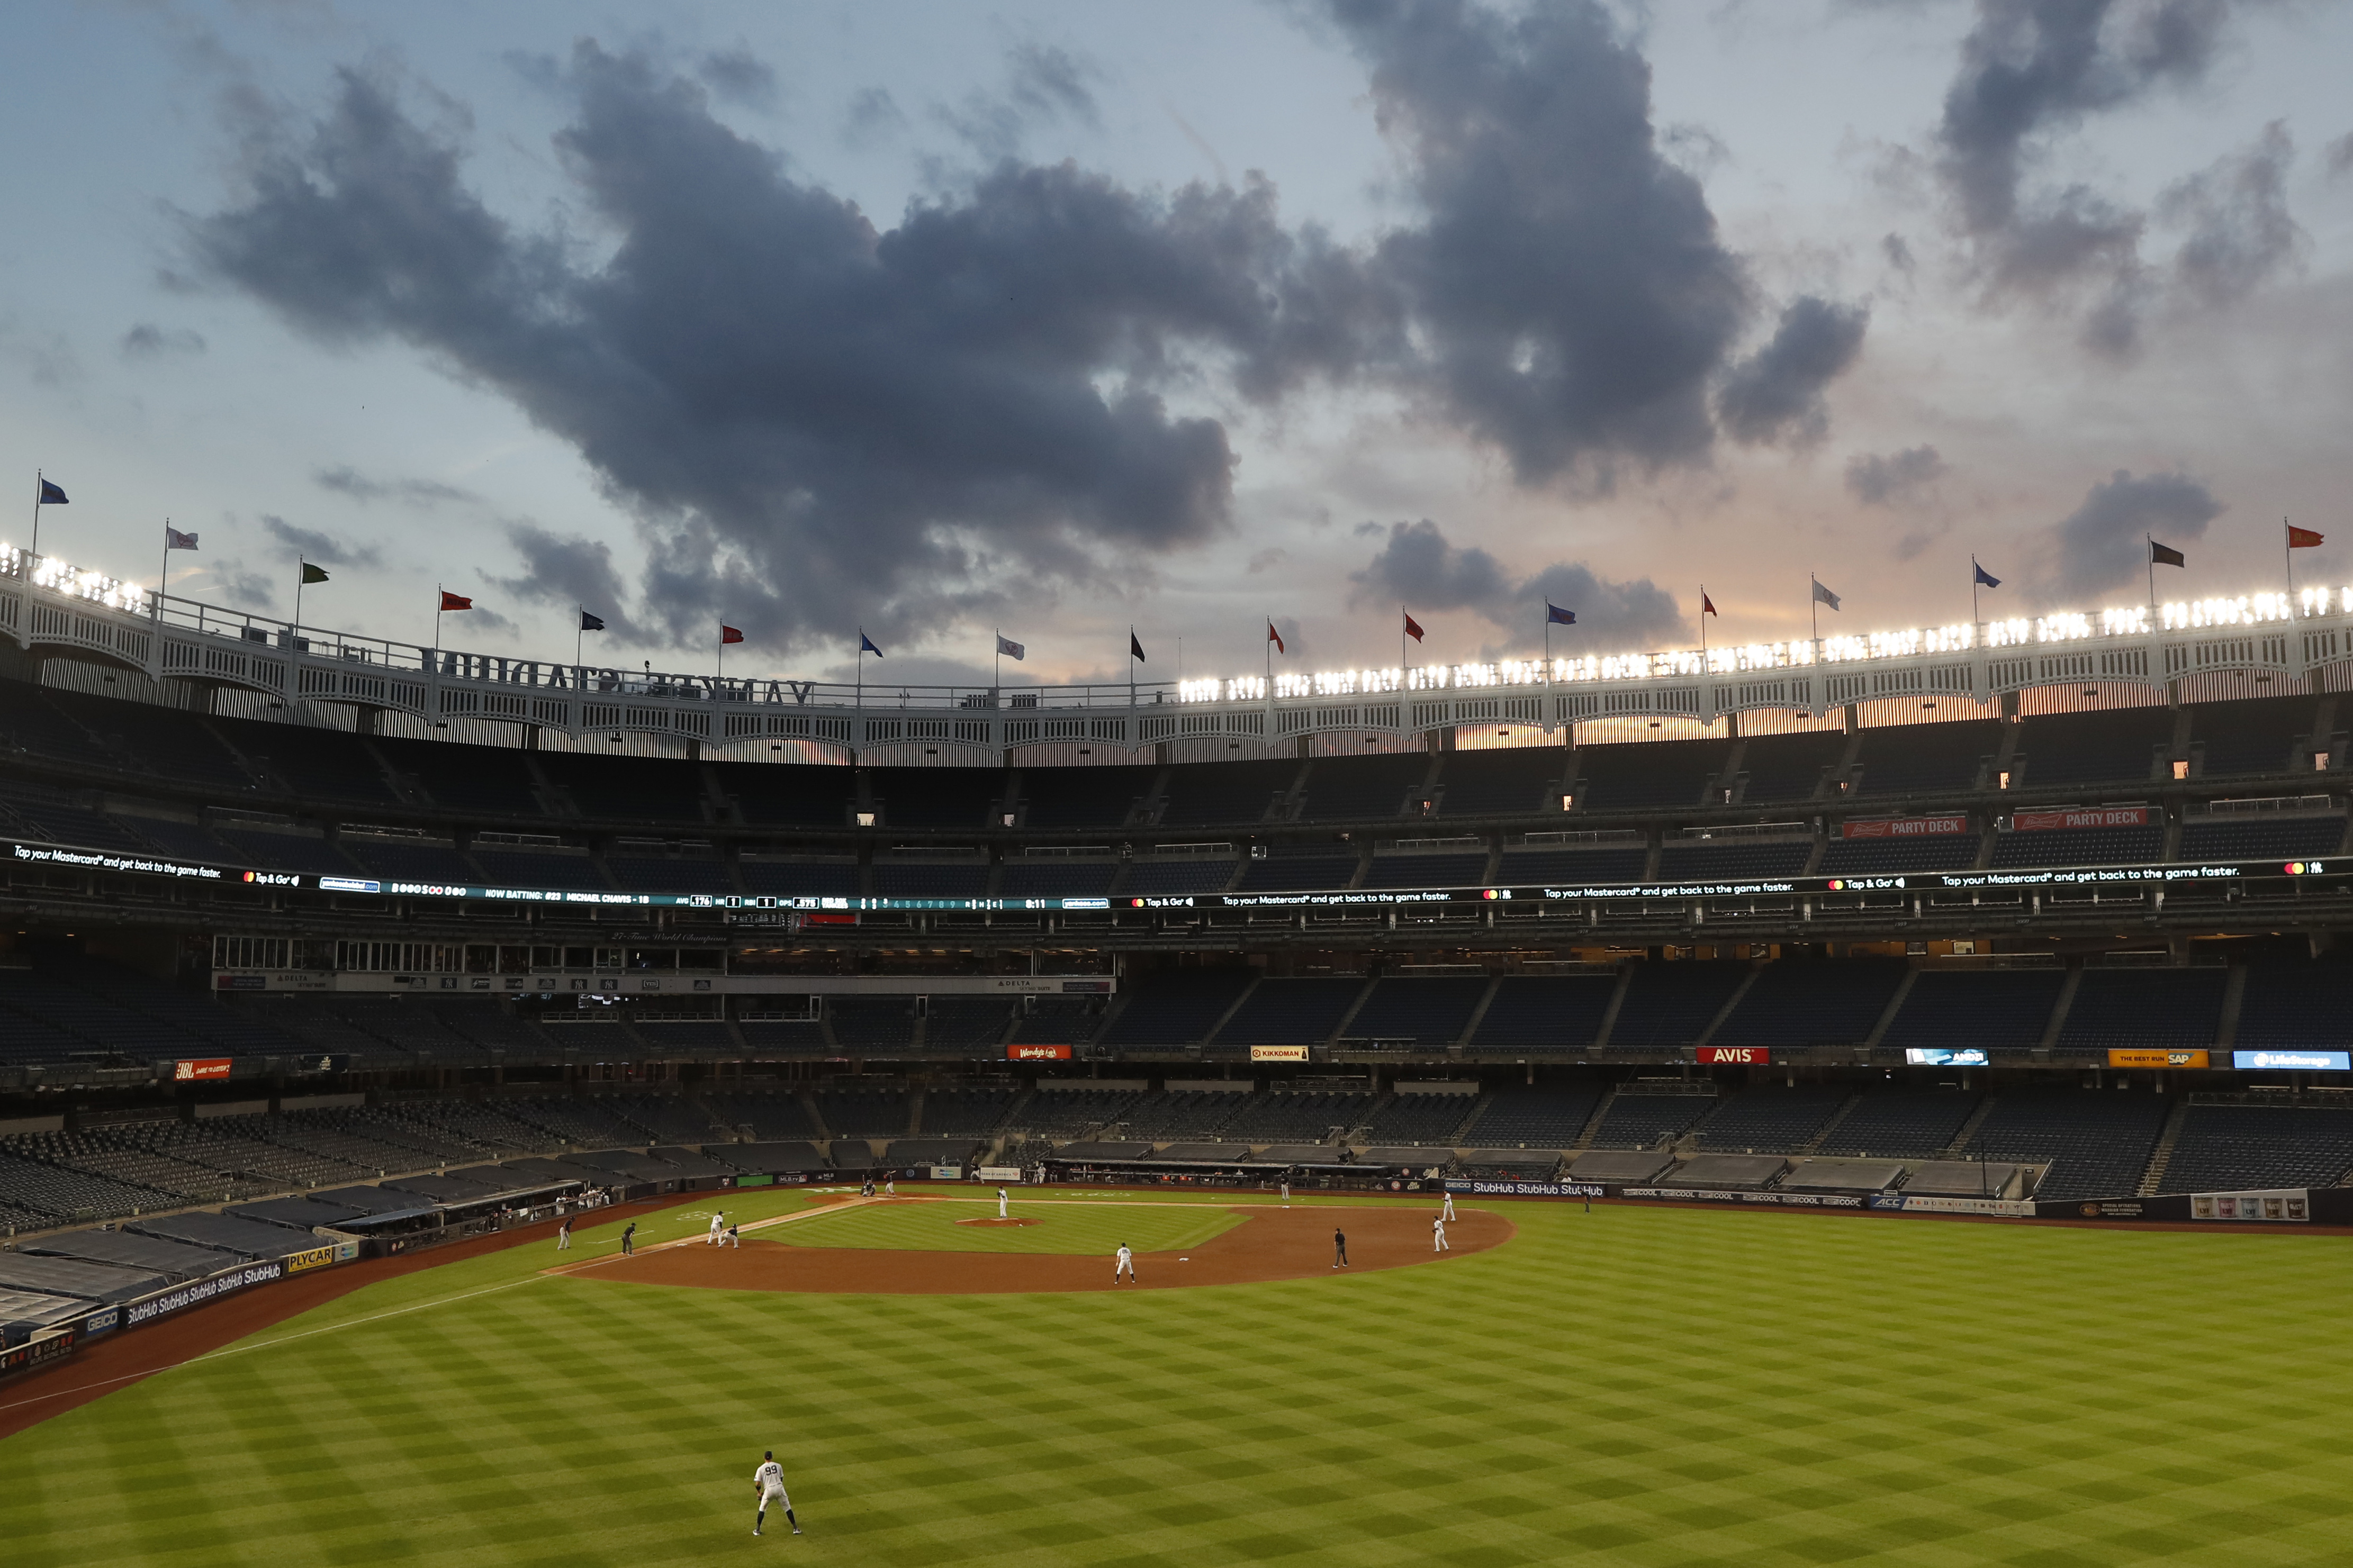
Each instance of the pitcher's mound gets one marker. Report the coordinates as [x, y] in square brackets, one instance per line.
[992, 1220]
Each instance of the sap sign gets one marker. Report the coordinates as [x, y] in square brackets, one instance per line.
[1940, 1058]
[2294, 1061]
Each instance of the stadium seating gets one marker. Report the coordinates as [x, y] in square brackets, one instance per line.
[2262, 735]
[2266, 836]
[1301, 867]
[1538, 1014]
[1061, 798]
[1534, 1119]
[1620, 860]
[1903, 1124]
[930, 875]
[1510, 782]
[966, 1112]
[1297, 1117]
[2002, 1010]
[799, 878]
[538, 869]
[1175, 877]
[1410, 870]
[483, 780]
[2096, 1143]
[1176, 1006]
[2117, 746]
[1416, 1118]
[1059, 1021]
[1670, 1004]
[2223, 1147]
[1925, 759]
[1360, 789]
[1428, 1014]
[1212, 794]
[1185, 1113]
[1896, 856]
[1661, 774]
[1728, 859]
[409, 860]
[1291, 1012]
[966, 1025]
[1797, 1003]
[627, 789]
[1064, 1112]
[2080, 847]
[961, 798]
[2167, 1008]
[1771, 1120]
[1642, 1120]
[784, 796]
[1058, 877]
[313, 764]
[1791, 768]
[2293, 1007]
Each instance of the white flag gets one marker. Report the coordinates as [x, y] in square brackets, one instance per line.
[174, 539]
[1008, 648]
[1824, 596]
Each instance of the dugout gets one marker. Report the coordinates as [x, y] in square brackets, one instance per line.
[24, 1313]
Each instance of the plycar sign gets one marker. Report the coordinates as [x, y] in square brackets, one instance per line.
[1738, 1056]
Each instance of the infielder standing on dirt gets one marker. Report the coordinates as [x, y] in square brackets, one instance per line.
[718, 1224]
[768, 1485]
[563, 1236]
[1339, 1249]
[1001, 1201]
[629, 1240]
[1447, 1212]
[1127, 1264]
[1437, 1235]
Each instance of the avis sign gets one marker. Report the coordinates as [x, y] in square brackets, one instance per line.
[1735, 1055]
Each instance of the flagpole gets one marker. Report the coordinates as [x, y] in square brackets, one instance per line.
[1131, 665]
[35, 549]
[1975, 619]
[164, 578]
[2288, 555]
[438, 592]
[1401, 614]
[862, 666]
[1703, 628]
[579, 631]
[1814, 605]
[2149, 539]
[299, 574]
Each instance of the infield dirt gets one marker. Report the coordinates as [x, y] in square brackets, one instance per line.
[1271, 1244]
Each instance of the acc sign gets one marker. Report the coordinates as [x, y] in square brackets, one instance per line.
[210, 1067]
[1037, 1053]
[1755, 1055]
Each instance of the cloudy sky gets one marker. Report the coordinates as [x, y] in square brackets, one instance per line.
[1063, 317]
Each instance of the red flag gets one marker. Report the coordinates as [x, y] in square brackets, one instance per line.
[1275, 638]
[450, 601]
[2303, 538]
[1412, 627]
[1706, 605]
[729, 634]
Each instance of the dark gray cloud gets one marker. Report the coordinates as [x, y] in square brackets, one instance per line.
[2337, 156]
[873, 114]
[1877, 479]
[816, 420]
[1775, 394]
[344, 480]
[148, 341]
[2031, 71]
[739, 76]
[242, 588]
[570, 574]
[2240, 235]
[2101, 544]
[323, 549]
[1567, 278]
[1419, 567]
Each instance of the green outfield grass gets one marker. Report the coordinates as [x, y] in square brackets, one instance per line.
[1066, 1226]
[1657, 1387]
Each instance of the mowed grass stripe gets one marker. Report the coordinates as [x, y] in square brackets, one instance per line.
[1652, 1387]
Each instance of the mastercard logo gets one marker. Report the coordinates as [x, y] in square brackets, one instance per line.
[1837, 886]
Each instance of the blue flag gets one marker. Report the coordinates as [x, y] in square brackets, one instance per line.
[1978, 575]
[589, 622]
[1557, 616]
[866, 645]
[50, 495]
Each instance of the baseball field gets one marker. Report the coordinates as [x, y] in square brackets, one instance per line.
[1634, 1385]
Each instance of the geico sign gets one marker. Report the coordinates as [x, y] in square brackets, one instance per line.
[1739, 1055]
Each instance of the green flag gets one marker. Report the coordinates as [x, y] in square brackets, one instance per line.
[314, 574]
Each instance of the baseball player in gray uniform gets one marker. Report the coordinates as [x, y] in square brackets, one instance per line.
[768, 1485]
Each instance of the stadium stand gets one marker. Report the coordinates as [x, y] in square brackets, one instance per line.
[483, 780]
[1300, 868]
[1795, 1003]
[1424, 1015]
[1673, 1004]
[2223, 1147]
[1903, 1124]
[1175, 876]
[1549, 1013]
[963, 798]
[1176, 1006]
[1773, 1120]
[1789, 768]
[2262, 735]
[1411, 1119]
[2079, 847]
[2096, 1143]
[1514, 782]
[2003, 1010]
[782, 797]
[1062, 798]
[1291, 1012]
[1925, 759]
[1642, 1120]
[1211, 795]
[1659, 774]
[2267, 837]
[1843, 856]
[2144, 1007]
[1062, 876]
[1706, 858]
[1423, 868]
[1360, 789]
[1603, 858]
[2119, 746]
[2291, 1005]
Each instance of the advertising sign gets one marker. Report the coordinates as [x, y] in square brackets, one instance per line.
[195, 1293]
[2292, 1205]
[209, 1066]
[1738, 1056]
[2095, 817]
[1943, 1057]
[1037, 1053]
[303, 1262]
[2293, 1061]
[2148, 1058]
[1278, 1053]
[1905, 827]
[332, 1061]
[947, 1172]
[1527, 1189]
[998, 1174]
[42, 1351]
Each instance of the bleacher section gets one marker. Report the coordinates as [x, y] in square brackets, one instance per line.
[1903, 1124]
[2168, 1009]
[1643, 1120]
[2097, 1143]
[1535, 1119]
[1772, 1120]
[2222, 1147]
[2003, 1010]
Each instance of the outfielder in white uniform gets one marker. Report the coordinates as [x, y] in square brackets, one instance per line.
[1447, 1212]
[768, 1483]
[1127, 1264]
[1001, 1201]
[1437, 1236]
[717, 1225]
[563, 1236]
